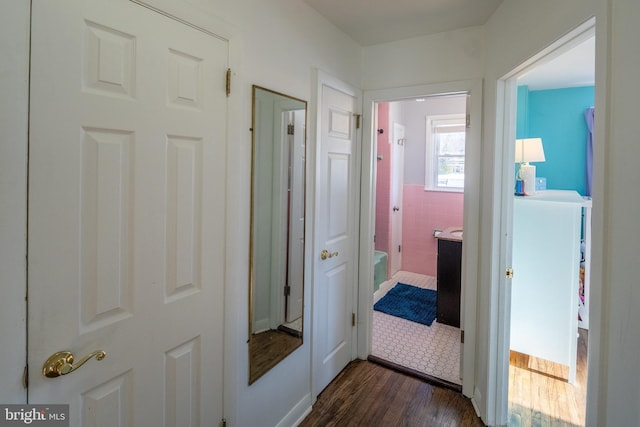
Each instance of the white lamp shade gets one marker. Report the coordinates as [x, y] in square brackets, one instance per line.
[529, 150]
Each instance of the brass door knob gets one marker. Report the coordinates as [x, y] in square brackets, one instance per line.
[326, 254]
[61, 363]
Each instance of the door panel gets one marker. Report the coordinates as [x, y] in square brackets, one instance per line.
[397, 187]
[126, 218]
[337, 292]
[337, 201]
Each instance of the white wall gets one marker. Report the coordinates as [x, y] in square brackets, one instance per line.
[14, 66]
[276, 44]
[619, 379]
[282, 42]
[517, 31]
[444, 57]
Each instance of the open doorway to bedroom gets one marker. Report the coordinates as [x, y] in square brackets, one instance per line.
[419, 211]
[549, 316]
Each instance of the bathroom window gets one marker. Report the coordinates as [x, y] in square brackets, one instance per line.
[444, 167]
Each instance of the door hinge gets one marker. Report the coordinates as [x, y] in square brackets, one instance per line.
[228, 84]
[509, 273]
[357, 116]
[462, 336]
[468, 121]
[25, 377]
[399, 248]
[224, 422]
[287, 291]
[290, 129]
[353, 319]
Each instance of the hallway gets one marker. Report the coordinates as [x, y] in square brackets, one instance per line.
[366, 394]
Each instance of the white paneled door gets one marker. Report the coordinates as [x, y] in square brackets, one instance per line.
[126, 214]
[335, 251]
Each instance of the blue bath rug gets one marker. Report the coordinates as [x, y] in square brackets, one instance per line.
[409, 302]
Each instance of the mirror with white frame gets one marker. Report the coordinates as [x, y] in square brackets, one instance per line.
[276, 257]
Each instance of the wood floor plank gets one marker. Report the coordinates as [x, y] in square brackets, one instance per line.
[539, 392]
[366, 394]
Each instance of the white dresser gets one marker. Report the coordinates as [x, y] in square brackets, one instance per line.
[546, 265]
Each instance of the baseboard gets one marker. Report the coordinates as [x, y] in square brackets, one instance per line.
[477, 397]
[297, 414]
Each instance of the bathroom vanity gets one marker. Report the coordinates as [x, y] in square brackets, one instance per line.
[449, 276]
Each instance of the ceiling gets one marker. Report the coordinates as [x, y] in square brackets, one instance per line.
[573, 68]
[371, 22]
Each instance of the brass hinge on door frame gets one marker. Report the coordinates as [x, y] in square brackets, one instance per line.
[357, 116]
[353, 319]
[509, 273]
[25, 377]
[228, 83]
[462, 336]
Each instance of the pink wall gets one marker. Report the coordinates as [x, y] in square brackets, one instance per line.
[383, 182]
[424, 211]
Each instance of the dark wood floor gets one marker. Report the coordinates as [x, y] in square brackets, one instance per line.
[268, 348]
[366, 394]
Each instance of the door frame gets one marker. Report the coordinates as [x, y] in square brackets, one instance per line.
[506, 106]
[471, 221]
[14, 126]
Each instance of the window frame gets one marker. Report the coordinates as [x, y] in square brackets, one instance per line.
[431, 158]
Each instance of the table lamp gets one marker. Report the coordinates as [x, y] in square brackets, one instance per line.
[529, 150]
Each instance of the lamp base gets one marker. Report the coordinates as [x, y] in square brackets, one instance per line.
[528, 175]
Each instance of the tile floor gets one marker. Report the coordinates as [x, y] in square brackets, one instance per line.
[433, 350]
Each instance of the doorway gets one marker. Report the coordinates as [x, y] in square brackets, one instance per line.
[419, 194]
[549, 386]
[470, 218]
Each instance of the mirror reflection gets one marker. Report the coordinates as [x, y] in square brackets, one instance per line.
[277, 229]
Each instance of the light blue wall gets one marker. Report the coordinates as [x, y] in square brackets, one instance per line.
[557, 116]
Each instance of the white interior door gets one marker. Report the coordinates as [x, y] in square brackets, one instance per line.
[397, 184]
[126, 213]
[337, 197]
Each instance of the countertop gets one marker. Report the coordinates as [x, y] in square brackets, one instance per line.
[556, 196]
[451, 233]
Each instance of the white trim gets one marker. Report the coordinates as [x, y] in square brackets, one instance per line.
[298, 413]
[14, 119]
[471, 215]
[500, 296]
[191, 16]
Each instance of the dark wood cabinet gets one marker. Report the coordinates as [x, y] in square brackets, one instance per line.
[449, 277]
